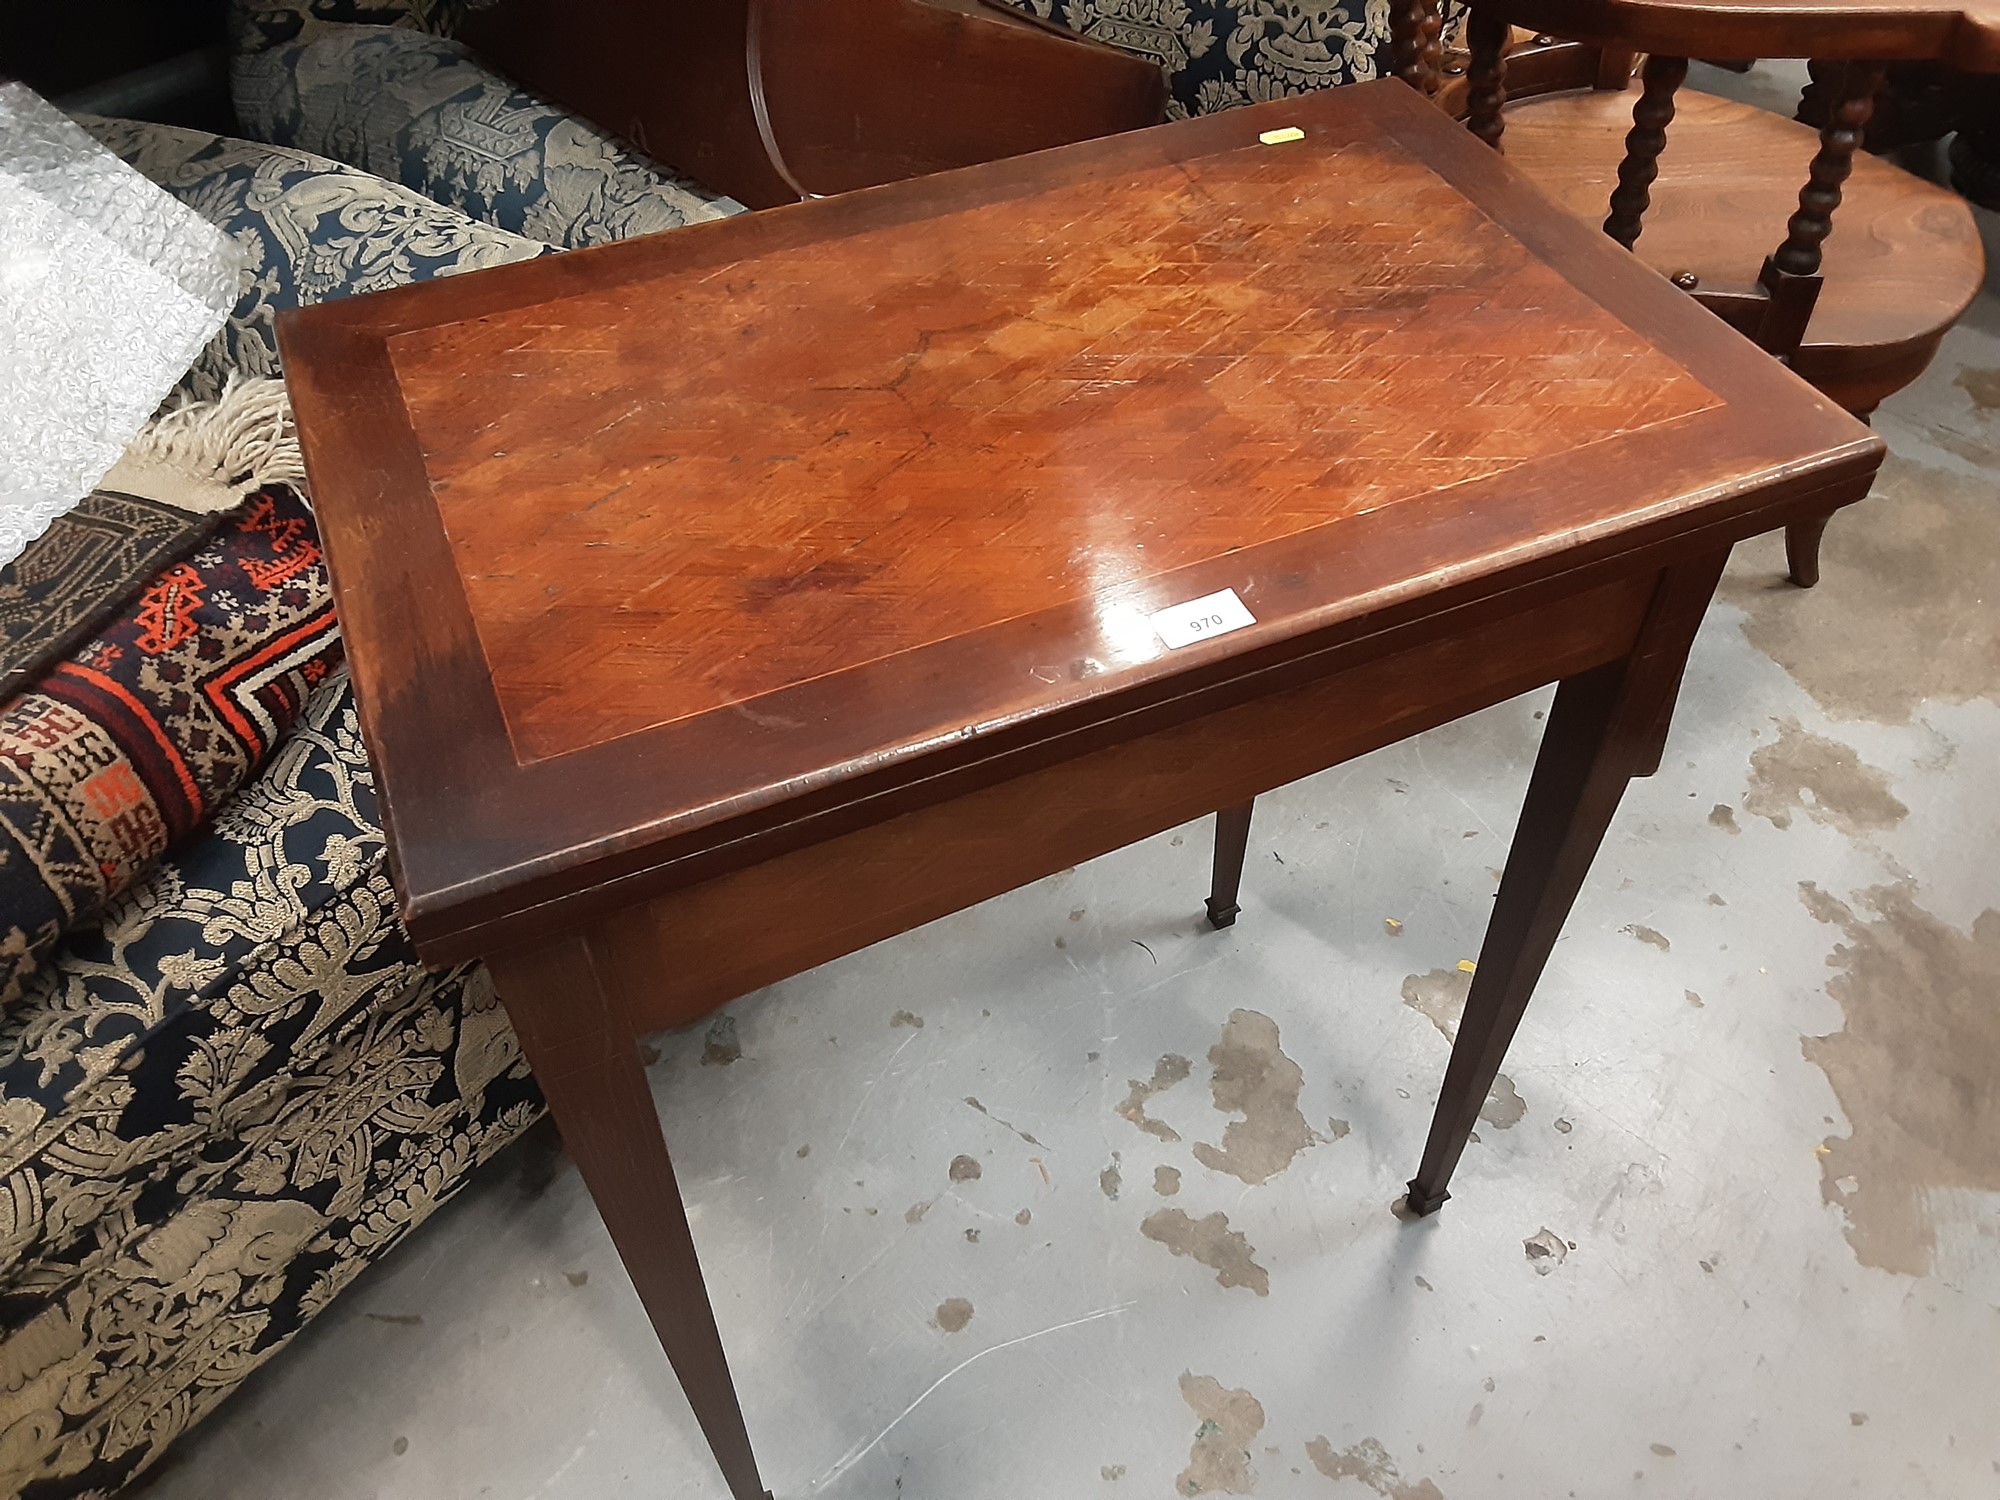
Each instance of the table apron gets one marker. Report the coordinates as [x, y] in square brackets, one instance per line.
[724, 937]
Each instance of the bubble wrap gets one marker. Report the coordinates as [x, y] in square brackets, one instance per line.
[108, 290]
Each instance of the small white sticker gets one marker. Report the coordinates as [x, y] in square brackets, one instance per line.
[1201, 619]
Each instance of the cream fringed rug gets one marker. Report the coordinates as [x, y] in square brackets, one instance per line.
[185, 472]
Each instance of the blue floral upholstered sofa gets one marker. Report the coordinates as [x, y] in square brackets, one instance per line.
[240, 1088]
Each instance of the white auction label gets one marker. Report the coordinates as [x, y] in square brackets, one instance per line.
[1199, 619]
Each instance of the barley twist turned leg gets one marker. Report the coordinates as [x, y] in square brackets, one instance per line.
[1643, 144]
[1486, 77]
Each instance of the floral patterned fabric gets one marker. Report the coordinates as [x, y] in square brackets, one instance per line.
[216, 1110]
[1221, 53]
[419, 110]
[314, 229]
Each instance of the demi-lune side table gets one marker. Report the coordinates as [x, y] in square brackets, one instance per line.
[725, 601]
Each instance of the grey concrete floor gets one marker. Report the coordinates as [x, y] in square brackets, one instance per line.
[1731, 1227]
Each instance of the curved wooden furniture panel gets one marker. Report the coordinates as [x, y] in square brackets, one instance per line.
[853, 92]
[863, 92]
[1967, 36]
[1904, 259]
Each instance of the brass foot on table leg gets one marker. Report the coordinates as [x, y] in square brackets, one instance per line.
[1421, 1206]
[1232, 839]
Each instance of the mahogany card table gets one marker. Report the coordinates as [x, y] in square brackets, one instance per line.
[727, 600]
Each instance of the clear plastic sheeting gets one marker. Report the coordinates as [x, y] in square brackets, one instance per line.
[109, 288]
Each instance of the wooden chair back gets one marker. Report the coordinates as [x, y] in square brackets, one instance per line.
[1536, 64]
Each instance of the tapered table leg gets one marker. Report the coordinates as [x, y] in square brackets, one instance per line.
[1802, 550]
[564, 1000]
[1604, 728]
[1232, 843]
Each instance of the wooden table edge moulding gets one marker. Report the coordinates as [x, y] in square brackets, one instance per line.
[693, 849]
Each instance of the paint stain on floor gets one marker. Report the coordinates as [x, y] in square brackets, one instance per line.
[1801, 771]
[1369, 1462]
[1211, 1241]
[1723, 816]
[1110, 1180]
[964, 1169]
[721, 1047]
[1219, 1458]
[1545, 1250]
[1255, 1079]
[905, 1018]
[1166, 1181]
[1504, 1105]
[1913, 1067]
[1168, 1071]
[1652, 937]
[1983, 386]
[1886, 632]
[1440, 996]
[953, 1314]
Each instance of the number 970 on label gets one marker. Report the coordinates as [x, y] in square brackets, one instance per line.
[1201, 619]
